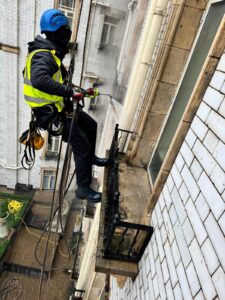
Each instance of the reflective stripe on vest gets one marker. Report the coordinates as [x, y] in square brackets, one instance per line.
[34, 97]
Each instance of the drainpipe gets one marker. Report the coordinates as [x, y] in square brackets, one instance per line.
[10, 167]
[131, 8]
[87, 41]
[144, 55]
[90, 27]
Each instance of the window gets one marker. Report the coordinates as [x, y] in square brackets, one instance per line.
[53, 143]
[206, 37]
[67, 6]
[108, 32]
[48, 180]
[53, 147]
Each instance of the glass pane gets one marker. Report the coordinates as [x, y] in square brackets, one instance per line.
[52, 182]
[48, 172]
[70, 14]
[45, 182]
[67, 3]
[70, 19]
[111, 35]
[56, 145]
[104, 34]
[50, 142]
[111, 20]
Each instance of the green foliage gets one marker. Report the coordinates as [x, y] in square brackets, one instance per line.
[3, 246]
[14, 219]
[16, 197]
[3, 207]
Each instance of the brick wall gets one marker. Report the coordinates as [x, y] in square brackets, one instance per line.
[185, 258]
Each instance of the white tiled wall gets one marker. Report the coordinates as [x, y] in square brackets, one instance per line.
[185, 258]
[19, 24]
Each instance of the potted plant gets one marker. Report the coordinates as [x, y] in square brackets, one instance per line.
[3, 216]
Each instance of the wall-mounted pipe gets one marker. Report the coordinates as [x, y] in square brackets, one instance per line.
[131, 8]
[144, 56]
[10, 167]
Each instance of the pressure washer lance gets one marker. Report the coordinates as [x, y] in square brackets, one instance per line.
[81, 93]
[89, 93]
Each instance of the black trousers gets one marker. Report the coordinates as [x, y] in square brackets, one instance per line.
[83, 140]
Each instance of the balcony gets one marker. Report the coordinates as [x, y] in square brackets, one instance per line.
[122, 238]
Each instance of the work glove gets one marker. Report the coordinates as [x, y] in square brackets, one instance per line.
[68, 91]
[92, 93]
[78, 96]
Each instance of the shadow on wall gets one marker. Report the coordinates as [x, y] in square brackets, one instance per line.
[118, 90]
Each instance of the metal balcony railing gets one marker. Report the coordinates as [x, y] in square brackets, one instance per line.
[78, 294]
[122, 240]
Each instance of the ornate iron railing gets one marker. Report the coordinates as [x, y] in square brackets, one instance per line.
[122, 240]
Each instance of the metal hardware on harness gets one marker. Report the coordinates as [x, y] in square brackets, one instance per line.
[50, 107]
[55, 128]
[32, 140]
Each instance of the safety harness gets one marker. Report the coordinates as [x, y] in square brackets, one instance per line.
[32, 140]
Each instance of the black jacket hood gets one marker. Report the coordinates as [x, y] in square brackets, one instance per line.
[43, 43]
[43, 66]
[40, 43]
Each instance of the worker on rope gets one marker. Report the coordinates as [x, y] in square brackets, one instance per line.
[49, 97]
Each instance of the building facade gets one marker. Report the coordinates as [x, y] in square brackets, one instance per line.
[184, 259]
[180, 125]
[163, 62]
[17, 29]
[174, 105]
[93, 24]
[97, 63]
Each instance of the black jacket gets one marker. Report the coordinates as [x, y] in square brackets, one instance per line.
[43, 66]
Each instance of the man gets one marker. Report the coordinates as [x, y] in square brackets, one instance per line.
[47, 94]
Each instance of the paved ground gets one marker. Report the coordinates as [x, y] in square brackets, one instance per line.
[58, 286]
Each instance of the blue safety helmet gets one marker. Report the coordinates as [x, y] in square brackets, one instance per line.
[52, 20]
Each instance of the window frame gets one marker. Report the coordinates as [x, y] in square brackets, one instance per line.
[110, 26]
[51, 154]
[54, 141]
[179, 86]
[53, 171]
[67, 10]
[66, 7]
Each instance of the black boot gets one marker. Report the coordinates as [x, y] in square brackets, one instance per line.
[88, 194]
[100, 162]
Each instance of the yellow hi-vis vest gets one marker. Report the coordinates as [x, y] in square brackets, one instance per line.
[36, 98]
